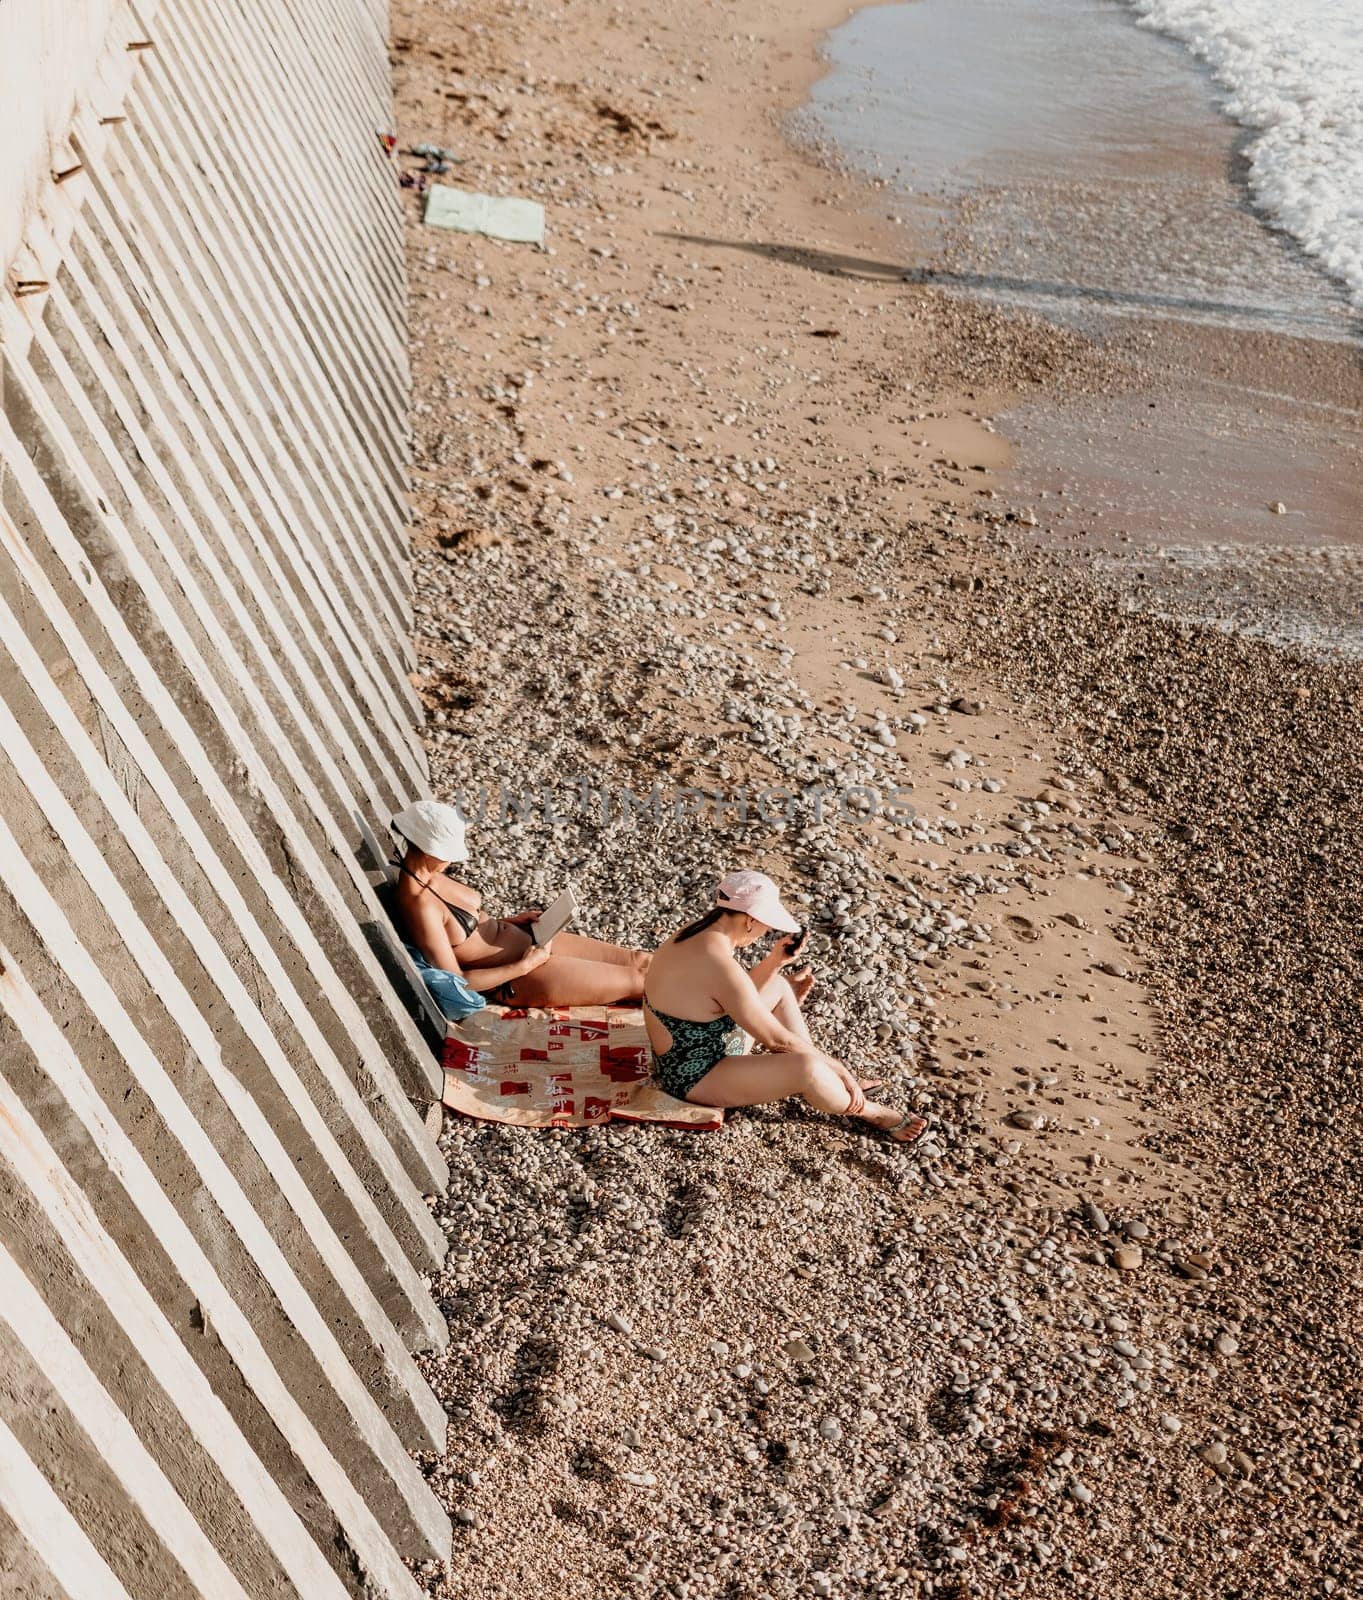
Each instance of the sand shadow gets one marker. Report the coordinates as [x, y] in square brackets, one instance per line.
[837, 265]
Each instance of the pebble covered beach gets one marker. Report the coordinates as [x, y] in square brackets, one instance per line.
[709, 499]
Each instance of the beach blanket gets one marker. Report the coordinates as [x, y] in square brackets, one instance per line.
[560, 1068]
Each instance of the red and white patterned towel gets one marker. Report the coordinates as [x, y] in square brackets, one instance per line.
[560, 1068]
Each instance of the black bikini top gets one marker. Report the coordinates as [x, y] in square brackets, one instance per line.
[466, 919]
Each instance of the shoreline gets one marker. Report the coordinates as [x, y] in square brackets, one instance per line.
[1196, 484]
[594, 431]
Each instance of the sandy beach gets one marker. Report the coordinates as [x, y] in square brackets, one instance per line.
[708, 501]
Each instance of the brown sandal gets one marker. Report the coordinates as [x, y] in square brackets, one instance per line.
[892, 1134]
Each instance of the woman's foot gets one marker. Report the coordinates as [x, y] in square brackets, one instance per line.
[902, 1127]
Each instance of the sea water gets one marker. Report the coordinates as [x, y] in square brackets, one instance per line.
[1076, 159]
[1054, 154]
[1293, 73]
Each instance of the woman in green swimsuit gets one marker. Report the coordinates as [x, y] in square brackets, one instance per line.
[700, 1006]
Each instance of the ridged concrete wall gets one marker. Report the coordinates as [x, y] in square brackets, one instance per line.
[214, 1239]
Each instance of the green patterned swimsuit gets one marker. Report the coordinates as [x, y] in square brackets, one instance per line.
[695, 1048]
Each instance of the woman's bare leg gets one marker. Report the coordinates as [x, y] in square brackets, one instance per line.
[577, 944]
[757, 1080]
[571, 981]
[580, 972]
[777, 993]
[801, 982]
[780, 995]
[818, 1079]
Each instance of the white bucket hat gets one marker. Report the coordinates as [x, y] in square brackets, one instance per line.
[755, 893]
[434, 827]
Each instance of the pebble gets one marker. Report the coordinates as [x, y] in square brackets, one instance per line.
[1128, 1257]
[798, 1350]
[1225, 1344]
[1192, 1267]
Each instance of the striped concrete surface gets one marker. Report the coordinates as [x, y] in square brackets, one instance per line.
[216, 1239]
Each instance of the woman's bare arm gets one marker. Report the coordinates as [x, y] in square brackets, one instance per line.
[780, 955]
[433, 940]
[737, 993]
[484, 978]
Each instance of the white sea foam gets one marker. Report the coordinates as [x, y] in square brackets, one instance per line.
[1293, 70]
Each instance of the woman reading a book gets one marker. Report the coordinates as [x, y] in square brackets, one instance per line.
[467, 957]
[702, 1007]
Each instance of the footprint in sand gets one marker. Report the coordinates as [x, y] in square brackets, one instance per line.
[686, 1210]
[521, 1404]
[588, 1463]
[948, 1412]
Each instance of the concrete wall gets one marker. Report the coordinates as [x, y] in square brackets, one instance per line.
[214, 1241]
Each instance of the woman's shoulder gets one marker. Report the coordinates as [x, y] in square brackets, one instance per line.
[411, 894]
[696, 958]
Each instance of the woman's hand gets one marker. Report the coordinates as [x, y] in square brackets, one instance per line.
[536, 956]
[790, 947]
[523, 919]
[857, 1095]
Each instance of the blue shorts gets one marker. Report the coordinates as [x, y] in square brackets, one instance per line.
[450, 991]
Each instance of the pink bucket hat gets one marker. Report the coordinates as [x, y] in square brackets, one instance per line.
[755, 893]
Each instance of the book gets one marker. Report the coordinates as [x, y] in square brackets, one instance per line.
[555, 918]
